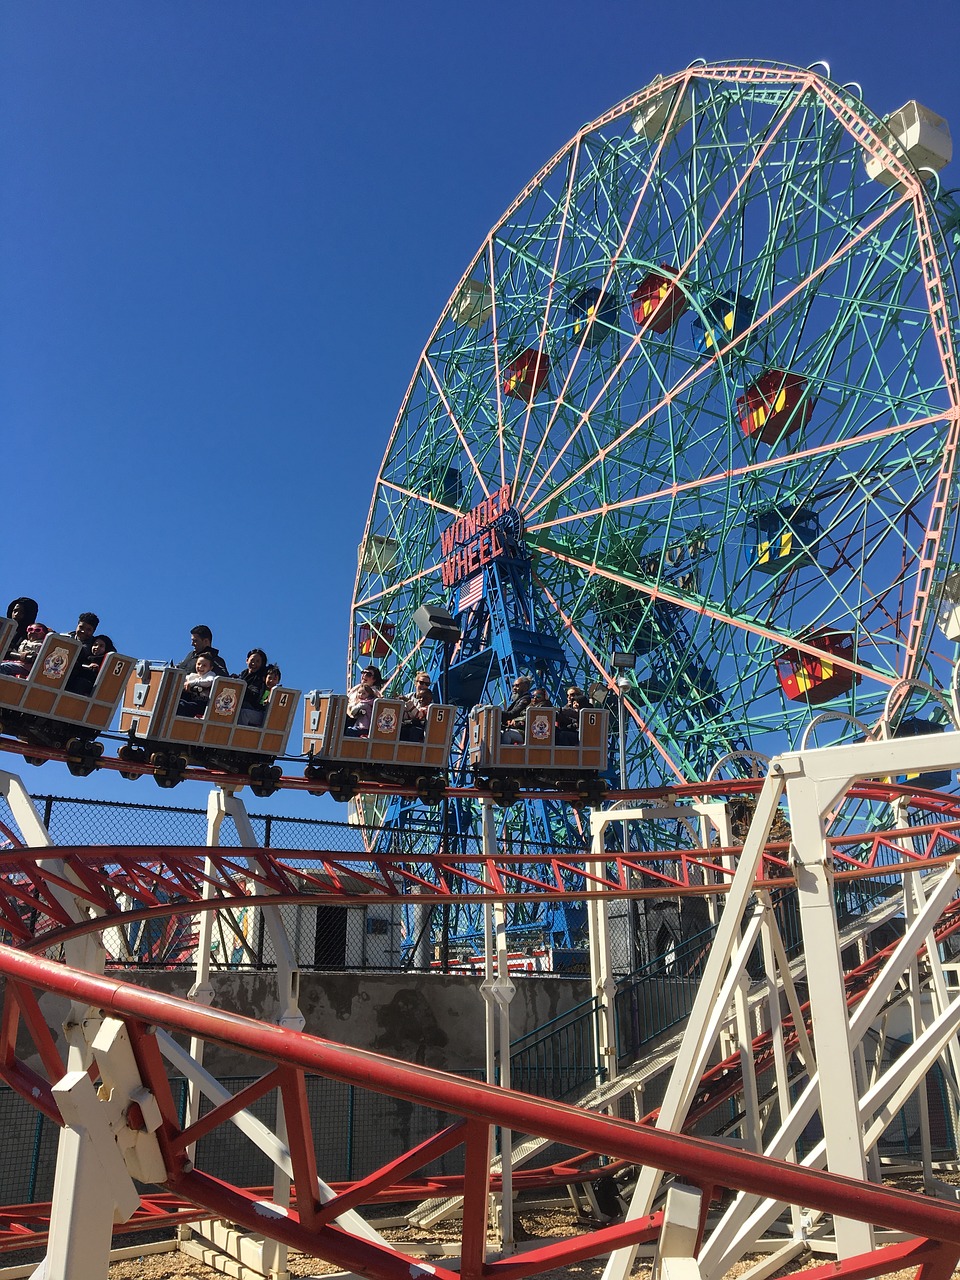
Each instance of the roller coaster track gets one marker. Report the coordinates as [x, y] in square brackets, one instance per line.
[319, 1224]
[133, 883]
[51, 897]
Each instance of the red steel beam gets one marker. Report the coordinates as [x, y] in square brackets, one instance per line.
[698, 1160]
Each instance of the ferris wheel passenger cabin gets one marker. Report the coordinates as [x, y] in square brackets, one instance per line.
[658, 302]
[594, 305]
[805, 677]
[774, 406]
[948, 615]
[923, 135]
[473, 305]
[538, 762]
[526, 375]
[42, 710]
[662, 114]
[785, 538]
[724, 319]
[934, 780]
[217, 738]
[342, 761]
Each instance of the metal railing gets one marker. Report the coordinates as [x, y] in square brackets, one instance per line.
[559, 1058]
[659, 995]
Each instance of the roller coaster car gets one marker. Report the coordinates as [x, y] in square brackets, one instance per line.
[40, 709]
[342, 761]
[505, 768]
[215, 739]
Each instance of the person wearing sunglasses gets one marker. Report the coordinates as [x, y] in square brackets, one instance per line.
[415, 707]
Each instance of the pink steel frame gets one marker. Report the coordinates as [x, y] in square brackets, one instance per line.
[934, 1227]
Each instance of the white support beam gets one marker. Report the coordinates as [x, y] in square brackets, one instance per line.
[675, 1258]
[602, 985]
[839, 1089]
[727, 958]
[81, 1225]
[92, 1188]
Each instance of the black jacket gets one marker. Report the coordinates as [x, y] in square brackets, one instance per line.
[516, 708]
[189, 664]
[256, 682]
[31, 610]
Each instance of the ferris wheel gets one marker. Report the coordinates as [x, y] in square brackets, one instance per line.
[702, 378]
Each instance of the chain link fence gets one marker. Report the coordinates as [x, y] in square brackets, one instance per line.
[356, 1131]
[384, 935]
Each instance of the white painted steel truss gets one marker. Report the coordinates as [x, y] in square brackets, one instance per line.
[834, 1090]
[828, 1062]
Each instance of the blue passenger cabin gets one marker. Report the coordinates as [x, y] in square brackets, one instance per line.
[724, 319]
[593, 304]
[784, 539]
[936, 779]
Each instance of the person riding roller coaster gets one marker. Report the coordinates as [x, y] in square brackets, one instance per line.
[24, 612]
[201, 641]
[81, 678]
[515, 712]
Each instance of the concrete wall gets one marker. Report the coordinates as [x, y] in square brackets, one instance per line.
[432, 1019]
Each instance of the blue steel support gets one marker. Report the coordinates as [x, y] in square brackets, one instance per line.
[503, 635]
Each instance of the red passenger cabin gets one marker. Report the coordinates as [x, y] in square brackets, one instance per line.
[374, 639]
[525, 376]
[658, 300]
[806, 677]
[775, 405]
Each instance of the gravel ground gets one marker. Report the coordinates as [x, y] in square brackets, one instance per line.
[178, 1266]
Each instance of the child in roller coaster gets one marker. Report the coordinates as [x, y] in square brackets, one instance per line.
[21, 658]
[100, 646]
[196, 687]
[271, 678]
[360, 700]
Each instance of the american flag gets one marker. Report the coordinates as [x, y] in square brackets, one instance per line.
[470, 592]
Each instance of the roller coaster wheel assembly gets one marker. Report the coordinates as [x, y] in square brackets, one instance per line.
[591, 792]
[83, 757]
[342, 784]
[504, 791]
[264, 779]
[168, 768]
[132, 755]
[431, 788]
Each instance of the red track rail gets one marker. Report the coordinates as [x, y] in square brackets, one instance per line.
[125, 884]
[934, 1226]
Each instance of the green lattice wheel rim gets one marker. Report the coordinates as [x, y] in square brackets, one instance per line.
[645, 501]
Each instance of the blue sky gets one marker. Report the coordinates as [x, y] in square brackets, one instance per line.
[226, 231]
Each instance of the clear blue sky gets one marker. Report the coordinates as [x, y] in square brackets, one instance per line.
[226, 230]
